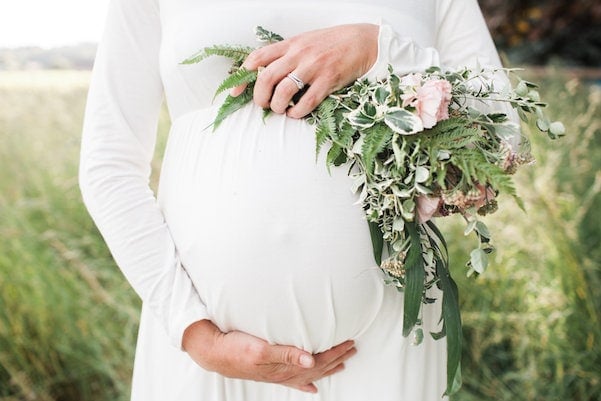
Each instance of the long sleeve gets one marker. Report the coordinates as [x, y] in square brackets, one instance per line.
[462, 40]
[119, 135]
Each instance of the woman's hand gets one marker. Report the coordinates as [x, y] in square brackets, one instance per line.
[243, 356]
[326, 59]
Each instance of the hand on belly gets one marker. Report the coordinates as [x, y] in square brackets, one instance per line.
[243, 356]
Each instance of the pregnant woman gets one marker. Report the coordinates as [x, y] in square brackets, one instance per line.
[253, 262]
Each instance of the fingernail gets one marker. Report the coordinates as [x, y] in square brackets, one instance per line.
[306, 361]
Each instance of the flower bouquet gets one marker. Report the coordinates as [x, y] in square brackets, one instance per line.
[417, 146]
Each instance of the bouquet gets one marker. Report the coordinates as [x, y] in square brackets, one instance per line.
[416, 147]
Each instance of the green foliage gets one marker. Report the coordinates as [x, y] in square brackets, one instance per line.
[374, 143]
[242, 76]
[326, 126]
[533, 320]
[234, 52]
[232, 104]
[264, 35]
[68, 319]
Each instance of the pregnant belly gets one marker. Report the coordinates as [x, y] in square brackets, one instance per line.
[275, 245]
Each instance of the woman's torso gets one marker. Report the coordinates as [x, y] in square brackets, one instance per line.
[276, 245]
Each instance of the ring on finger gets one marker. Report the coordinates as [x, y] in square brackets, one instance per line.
[299, 82]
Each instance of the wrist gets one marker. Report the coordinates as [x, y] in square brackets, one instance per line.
[199, 340]
[371, 34]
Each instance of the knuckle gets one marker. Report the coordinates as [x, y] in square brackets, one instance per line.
[310, 100]
[257, 352]
[253, 60]
[266, 76]
[288, 356]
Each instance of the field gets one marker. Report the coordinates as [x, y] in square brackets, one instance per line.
[68, 319]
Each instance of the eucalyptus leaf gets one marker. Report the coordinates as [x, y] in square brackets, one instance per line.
[470, 227]
[557, 129]
[421, 174]
[478, 260]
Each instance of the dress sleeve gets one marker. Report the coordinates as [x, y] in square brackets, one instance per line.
[462, 40]
[119, 135]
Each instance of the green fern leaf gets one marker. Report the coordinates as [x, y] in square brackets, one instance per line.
[336, 156]
[343, 136]
[240, 77]
[236, 53]
[231, 105]
[326, 125]
[266, 113]
[374, 142]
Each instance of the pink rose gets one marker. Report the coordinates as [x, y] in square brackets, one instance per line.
[432, 101]
[427, 207]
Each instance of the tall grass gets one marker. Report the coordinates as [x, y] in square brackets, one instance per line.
[68, 319]
[533, 321]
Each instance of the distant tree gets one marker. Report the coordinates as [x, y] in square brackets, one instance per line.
[539, 31]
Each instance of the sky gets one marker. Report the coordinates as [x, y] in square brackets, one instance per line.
[50, 23]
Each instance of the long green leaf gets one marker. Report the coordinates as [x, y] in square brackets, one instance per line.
[439, 242]
[452, 323]
[415, 275]
[377, 241]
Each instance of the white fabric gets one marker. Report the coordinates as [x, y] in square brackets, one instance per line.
[248, 230]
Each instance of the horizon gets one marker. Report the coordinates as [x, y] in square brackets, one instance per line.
[47, 25]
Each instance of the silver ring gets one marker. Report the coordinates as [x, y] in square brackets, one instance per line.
[299, 82]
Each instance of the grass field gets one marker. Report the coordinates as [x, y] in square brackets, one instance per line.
[68, 319]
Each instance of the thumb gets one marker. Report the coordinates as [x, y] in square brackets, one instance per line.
[294, 356]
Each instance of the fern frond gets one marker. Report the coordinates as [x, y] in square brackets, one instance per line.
[343, 136]
[335, 157]
[326, 125]
[240, 77]
[475, 167]
[232, 104]
[374, 142]
[236, 53]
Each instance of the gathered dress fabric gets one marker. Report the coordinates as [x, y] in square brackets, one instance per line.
[247, 229]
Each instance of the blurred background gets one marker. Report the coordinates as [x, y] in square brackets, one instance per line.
[68, 319]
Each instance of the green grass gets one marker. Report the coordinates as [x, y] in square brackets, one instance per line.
[68, 319]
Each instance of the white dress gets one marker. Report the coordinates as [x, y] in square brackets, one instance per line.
[249, 230]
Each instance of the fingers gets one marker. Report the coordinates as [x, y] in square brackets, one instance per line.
[271, 77]
[308, 388]
[290, 356]
[335, 356]
[338, 368]
[260, 58]
[283, 94]
[316, 93]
